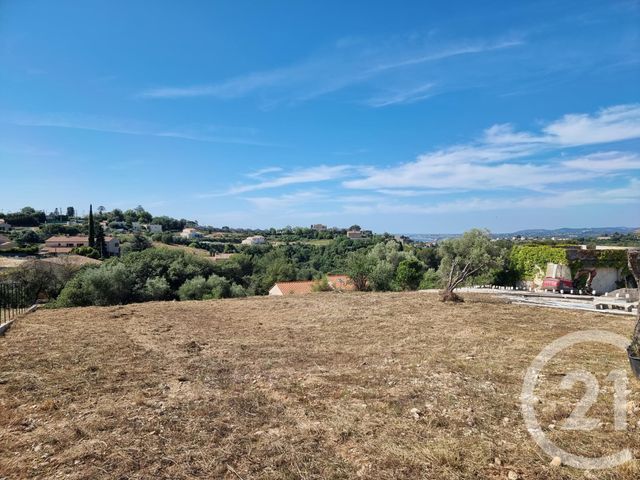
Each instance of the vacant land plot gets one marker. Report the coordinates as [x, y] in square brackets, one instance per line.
[378, 386]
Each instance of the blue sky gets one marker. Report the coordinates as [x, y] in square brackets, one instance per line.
[401, 117]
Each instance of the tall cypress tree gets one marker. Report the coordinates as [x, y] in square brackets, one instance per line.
[92, 233]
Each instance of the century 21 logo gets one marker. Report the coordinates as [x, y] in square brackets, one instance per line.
[578, 419]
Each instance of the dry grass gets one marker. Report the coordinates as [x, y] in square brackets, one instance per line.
[316, 386]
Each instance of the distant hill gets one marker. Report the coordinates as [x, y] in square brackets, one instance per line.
[571, 232]
[534, 232]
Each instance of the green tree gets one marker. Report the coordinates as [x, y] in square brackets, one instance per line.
[381, 276]
[92, 234]
[359, 267]
[137, 244]
[465, 257]
[409, 273]
[157, 288]
[101, 245]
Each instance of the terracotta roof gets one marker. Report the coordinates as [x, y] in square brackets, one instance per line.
[337, 282]
[295, 288]
[73, 238]
[64, 238]
[341, 282]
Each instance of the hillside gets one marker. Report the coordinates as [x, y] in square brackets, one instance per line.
[317, 386]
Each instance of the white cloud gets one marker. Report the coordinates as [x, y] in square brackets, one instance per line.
[321, 173]
[611, 124]
[625, 195]
[605, 162]
[496, 159]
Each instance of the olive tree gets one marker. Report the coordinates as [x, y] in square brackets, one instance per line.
[466, 257]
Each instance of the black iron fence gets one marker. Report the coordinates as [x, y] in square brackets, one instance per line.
[13, 301]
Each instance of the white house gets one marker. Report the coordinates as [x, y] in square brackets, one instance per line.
[354, 234]
[136, 226]
[190, 233]
[255, 240]
[4, 226]
[154, 228]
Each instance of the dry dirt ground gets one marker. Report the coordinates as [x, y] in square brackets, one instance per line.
[309, 387]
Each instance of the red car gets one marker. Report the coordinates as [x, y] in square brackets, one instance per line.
[551, 283]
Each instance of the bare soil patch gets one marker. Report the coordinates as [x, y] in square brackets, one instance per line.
[374, 386]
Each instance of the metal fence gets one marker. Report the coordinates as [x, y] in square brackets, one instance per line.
[13, 301]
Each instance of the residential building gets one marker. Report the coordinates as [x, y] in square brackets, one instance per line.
[4, 226]
[255, 240]
[292, 288]
[318, 227]
[64, 244]
[190, 233]
[136, 226]
[354, 234]
[340, 283]
[154, 228]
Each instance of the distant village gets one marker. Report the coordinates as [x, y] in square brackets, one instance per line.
[101, 234]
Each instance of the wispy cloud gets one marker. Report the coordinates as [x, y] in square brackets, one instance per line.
[97, 123]
[286, 202]
[410, 95]
[321, 173]
[347, 64]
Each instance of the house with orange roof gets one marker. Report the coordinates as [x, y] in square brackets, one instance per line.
[341, 283]
[63, 244]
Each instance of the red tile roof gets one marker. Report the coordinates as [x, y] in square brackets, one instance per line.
[295, 288]
[341, 282]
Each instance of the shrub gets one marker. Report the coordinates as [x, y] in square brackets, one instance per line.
[89, 252]
[321, 285]
[237, 291]
[409, 274]
[381, 276]
[157, 288]
[430, 279]
[193, 289]
[110, 284]
[199, 288]
[218, 287]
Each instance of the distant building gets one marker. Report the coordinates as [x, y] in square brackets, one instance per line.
[292, 288]
[318, 227]
[154, 228]
[402, 239]
[190, 233]
[355, 234]
[255, 240]
[64, 244]
[136, 226]
[4, 226]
